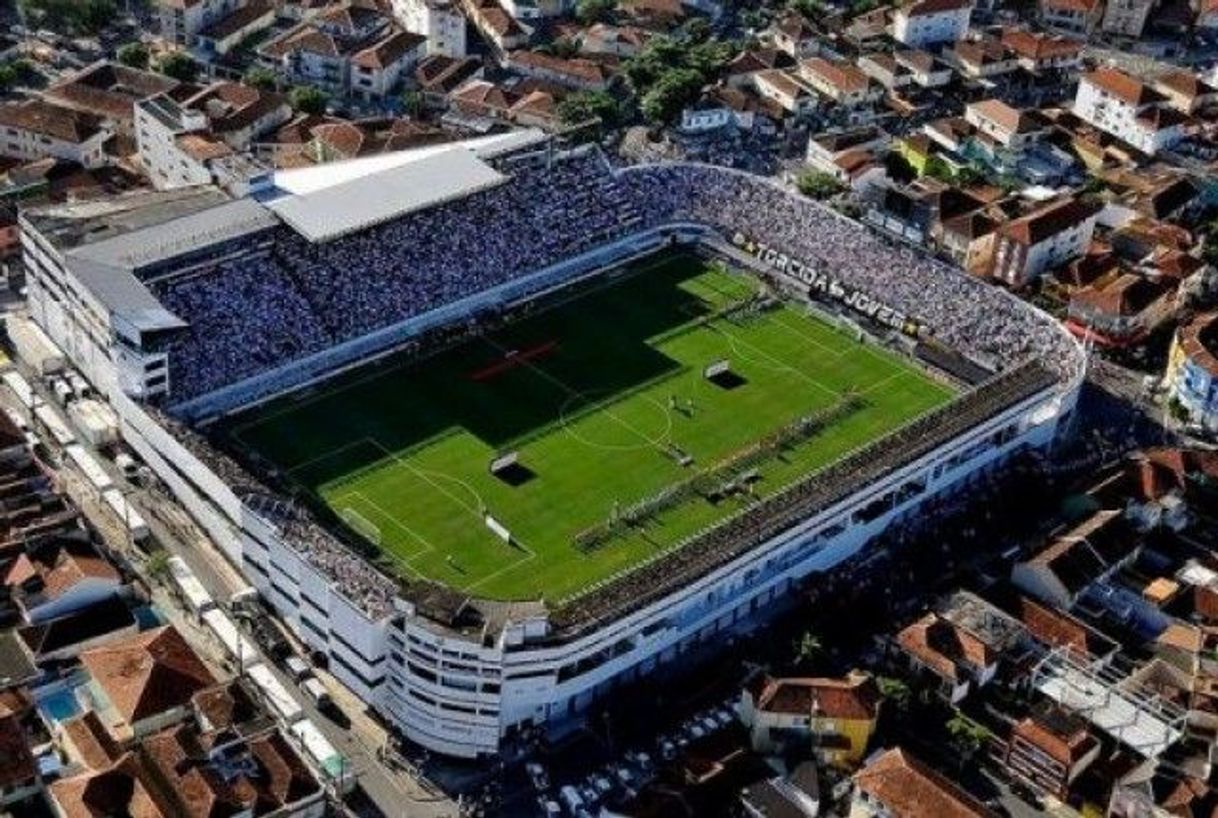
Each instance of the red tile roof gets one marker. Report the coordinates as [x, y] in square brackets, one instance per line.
[147, 674]
[854, 697]
[909, 788]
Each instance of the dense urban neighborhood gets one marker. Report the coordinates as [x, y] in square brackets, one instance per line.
[609, 408]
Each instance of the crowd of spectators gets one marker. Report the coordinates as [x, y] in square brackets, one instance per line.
[257, 312]
[964, 313]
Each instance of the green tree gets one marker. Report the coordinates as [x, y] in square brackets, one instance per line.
[807, 649]
[134, 55]
[594, 11]
[583, 106]
[412, 103]
[966, 737]
[895, 691]
[936, 168]
[179, 65]
[75, 17]
[816, 184]
[157, 564]
[309, 100]
[261, 78]
[671, 92]
[8, 76]
[812, 10]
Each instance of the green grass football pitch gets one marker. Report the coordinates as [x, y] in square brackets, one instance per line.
[594, 393]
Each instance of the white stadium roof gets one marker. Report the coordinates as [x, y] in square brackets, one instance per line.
[333, 200]
[367, 200]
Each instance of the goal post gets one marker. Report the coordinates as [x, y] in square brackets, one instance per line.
[361, 525]
[716, 369]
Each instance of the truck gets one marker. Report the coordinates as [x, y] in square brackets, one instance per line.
[316, 691]
[33, 346]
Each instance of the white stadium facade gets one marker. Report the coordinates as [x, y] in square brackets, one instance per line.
[129, 289]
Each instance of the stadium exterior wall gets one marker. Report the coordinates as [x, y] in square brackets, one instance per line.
[464, 695]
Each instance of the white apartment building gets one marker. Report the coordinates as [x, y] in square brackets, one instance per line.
[930, 22]
[33, 129]
[1027, 247]
[182, 20]
[1128, 109]
[177, 149]
[1126, 17]
[440, 21]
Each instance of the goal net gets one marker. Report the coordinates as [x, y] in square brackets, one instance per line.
[361, 525]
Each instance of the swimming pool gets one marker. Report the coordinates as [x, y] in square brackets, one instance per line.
[60, 705]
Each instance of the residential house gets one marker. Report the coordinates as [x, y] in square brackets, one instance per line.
[177, 149]
[926, 70]
[796, 37]
[796, 795]
[833, 719]
[616, 41]
[840, 82]
[345, 49]
[983, 58]
[958, 658]
[144, 683]
[353, 139]
[895, 784]
[503, 30]
[240, 114]
[1122, 309]
[1076, 17]
[1061, 572]
[931, 22]
[784, 89]
[576, 73]
[54, 577]
[969, 240]
[438, 76]
[224, 36]
[1056, 629]
[440, 22]
[33, 129]
[740, 72]
[66, 637]
[1186, 92]
[1128, 109]
[1126, 18]
[1039, 52]
[843, 153]
[1009, 127]
[883, 67]
[1027, 247]
[109, 91]
[181, 20]
[1049, 749]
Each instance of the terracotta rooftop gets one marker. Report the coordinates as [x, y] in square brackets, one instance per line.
[1123, 87]
[1049, 220]
[109, 90]
[1039, 47]
[1198, 340]
[923, 8]
[909, 788]
[854, 697]
[842, 76]
[1060, 735]
[945, 647]
[47, 119]
[148, 673]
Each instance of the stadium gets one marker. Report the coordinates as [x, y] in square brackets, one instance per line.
[497, 426]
